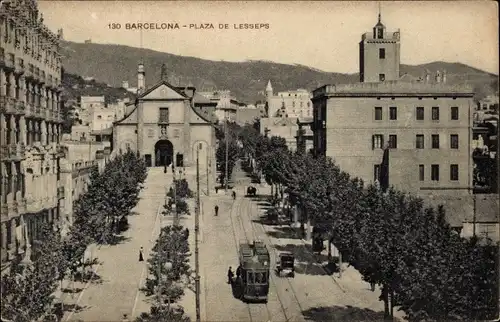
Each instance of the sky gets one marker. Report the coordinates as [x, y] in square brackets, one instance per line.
[322, 35]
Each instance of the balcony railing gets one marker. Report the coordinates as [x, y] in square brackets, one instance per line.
[4, 152]
[8, 105]
[20, 107]
[60, 192]
[17, 151]
[10, 62]
[20, 66]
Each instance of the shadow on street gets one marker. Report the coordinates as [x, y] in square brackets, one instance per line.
[342, 313]
[284, 232]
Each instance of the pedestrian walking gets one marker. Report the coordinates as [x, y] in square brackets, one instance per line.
[230, 275]
[216, 210]
[141, 256]
[234, 195]
[216, 190]
[372, 285]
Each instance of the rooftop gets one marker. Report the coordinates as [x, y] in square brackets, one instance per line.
[394, 88]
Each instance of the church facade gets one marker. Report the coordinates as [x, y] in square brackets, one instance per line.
[168, 126]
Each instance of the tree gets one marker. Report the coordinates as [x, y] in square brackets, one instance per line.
[164, 313]
[181, 189]
[233, 155]
[27, 290]
[171, 246]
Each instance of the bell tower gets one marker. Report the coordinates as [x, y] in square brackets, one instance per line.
[379, 54]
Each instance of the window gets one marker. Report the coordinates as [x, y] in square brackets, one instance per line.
[435, 172]
[393, 141]
[99, 117]
[381, 77]
[435, 141]
[454, 172]
[127, 146]
[421, 172]
[420, 113]
[454, 141]
[393, 113]
[454, 113]
[377, 141]
[419, 141]
[376, 172]
[381, 53]
[164, 115]
[380, 33]
[378, 113]
[435, 113]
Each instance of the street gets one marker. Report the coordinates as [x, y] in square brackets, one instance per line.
[311, 295]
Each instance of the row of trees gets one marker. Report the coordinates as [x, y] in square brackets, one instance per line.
[392, 238]
[27, 291]
[168, 265]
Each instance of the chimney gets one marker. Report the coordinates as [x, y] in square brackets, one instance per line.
[444, 76]
[141, 81]
[438, 77]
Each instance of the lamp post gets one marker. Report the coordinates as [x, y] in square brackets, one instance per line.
[167, 266]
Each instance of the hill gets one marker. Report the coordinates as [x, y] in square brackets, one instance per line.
[247, 80]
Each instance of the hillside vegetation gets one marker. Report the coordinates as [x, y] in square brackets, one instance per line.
[113, 64]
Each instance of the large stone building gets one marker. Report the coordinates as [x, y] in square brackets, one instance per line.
[426, 126]
[288, 103]
[30, 122]
[167, 125]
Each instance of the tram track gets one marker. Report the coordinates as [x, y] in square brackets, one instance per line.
[251, 233]
[255, 309]
[311, 258]
[272, 277]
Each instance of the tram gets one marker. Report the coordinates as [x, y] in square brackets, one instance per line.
[253, 284]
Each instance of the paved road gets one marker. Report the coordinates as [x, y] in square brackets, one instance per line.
[311, 295]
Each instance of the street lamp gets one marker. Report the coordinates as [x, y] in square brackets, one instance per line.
[167, 266]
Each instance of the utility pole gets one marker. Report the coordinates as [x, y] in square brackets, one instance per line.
[196, 232]
[226, 179]
[208, 171]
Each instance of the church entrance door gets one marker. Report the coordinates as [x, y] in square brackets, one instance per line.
[164, 153]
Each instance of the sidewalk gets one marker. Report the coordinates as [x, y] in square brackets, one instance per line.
[120, 270]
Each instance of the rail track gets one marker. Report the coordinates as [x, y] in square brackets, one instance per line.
[242, 222]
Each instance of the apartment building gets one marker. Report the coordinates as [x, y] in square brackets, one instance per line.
[294, 104]
[30, 123]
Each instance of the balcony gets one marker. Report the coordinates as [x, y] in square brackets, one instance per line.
[28, 109]
[2, 57]
[19, 66]
[20, 107]
[4, 152]
[29, 74]
[17, 151]
[60, 192]
[8, 105]
[10, 63]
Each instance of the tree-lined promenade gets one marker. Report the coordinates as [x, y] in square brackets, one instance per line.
[100, 214]
[422, 265]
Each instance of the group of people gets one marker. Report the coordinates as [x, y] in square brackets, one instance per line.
[230, 274]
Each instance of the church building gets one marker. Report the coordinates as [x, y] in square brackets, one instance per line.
[167, 124]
